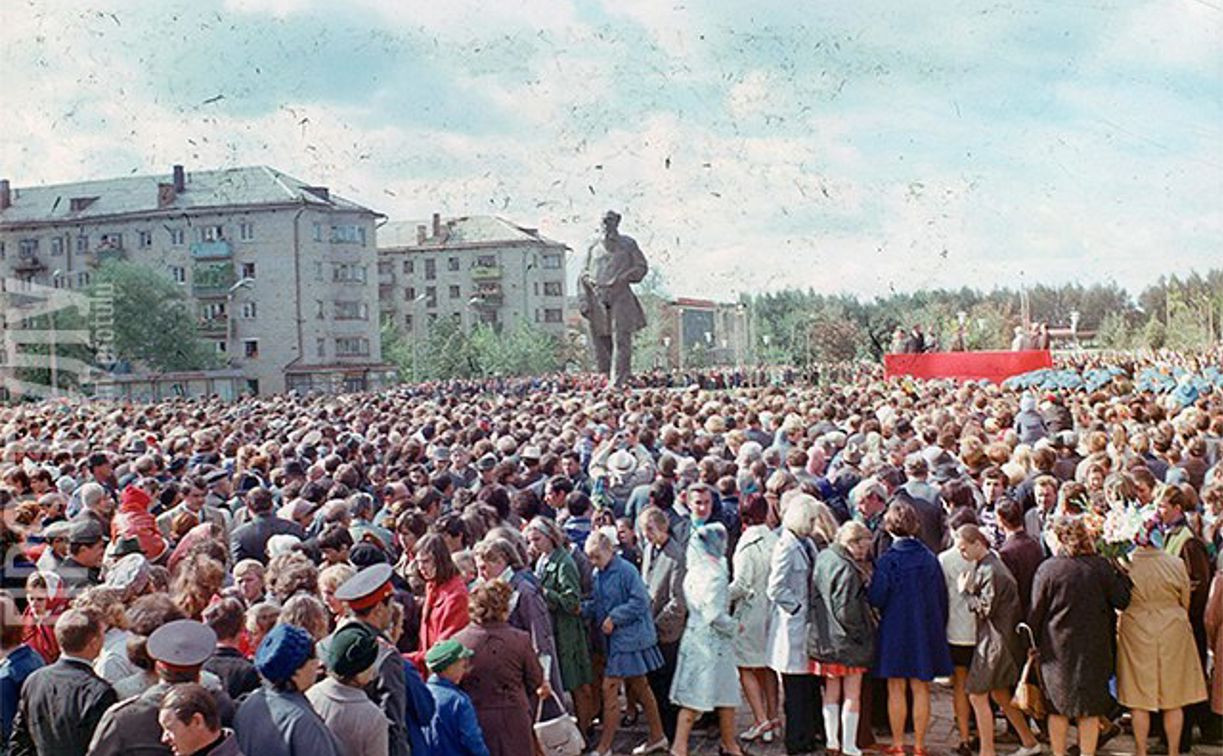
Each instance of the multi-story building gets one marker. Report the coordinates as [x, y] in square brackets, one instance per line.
[281, 273]
[707, 332]
[474, 269]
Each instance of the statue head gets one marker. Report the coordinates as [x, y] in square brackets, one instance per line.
[611, 223]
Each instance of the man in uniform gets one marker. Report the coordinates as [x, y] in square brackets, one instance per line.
[86, 550]
[179, 649]
[608, 303]
[368, 595]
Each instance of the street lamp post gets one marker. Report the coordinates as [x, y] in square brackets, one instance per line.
[54, 355]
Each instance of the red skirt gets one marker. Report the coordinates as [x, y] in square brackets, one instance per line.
[830, 669]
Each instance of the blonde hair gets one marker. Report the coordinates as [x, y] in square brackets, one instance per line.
[798, 513]
[851, 531]
[335, 575]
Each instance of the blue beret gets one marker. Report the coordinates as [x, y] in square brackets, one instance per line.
[282, 652]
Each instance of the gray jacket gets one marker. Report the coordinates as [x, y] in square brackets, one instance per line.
[842, 629]
[663, 571]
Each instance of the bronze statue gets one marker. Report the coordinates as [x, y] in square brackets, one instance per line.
[612, 263]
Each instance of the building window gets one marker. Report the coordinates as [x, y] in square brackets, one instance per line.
[222, 348]
[110, 241]
[178, 273]
[2, 250]
[409, 293]
[248, 310]
[553, 315]
[385, 268]
[552, 262]
[408, 267]
[248, 270]
[454, 292]
[351, 311]
[318, 271]
[177, 237]
[27, 248]
[430, 269]
[347, 273]
[82, 243]
[552, 288]
[246, 231]
[486, 261]
[348, 234]
[452, 264]
[320, 347]
[82, 279]
[144, 239]
[351, 346]
[212, 232]
[57, 246]
[250, 348]
[430, 296]
[318, 309]
[407, 321]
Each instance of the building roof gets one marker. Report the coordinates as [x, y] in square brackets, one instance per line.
[245, 186]
[464, 231]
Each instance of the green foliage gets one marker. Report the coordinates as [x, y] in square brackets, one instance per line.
[448, 352]
[1117, 332]
[1154, 334]
[154, 320]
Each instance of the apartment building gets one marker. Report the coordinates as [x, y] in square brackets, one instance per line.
[280, 272]
[473, 269]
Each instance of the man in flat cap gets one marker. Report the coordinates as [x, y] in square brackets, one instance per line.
[86, 550]
[611, 309]
[368, 596]
[179, 650]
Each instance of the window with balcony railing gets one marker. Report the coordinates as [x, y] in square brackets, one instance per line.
[351, 311]
[352, 346]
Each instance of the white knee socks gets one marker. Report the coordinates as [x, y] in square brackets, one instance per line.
[849, 732]
[831, 712]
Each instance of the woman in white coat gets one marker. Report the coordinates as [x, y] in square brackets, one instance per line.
[705, 678]
[750, 609]
[789, 593]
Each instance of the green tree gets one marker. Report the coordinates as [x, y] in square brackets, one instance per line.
[154, 321]
[1154, 334]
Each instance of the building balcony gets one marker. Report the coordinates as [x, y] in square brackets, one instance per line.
[487, 300]
[211, 250]
[214, 326]
[486, 273]
[29, 264]
[386, 279]
[212, 280]
[103, 256]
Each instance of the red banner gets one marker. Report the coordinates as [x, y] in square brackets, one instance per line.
[966, 366]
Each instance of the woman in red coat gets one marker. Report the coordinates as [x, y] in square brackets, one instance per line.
[444, 612]
[133, 520]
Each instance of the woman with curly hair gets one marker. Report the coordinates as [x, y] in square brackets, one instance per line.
[1075, 597]
[503, 669]
[199, 580]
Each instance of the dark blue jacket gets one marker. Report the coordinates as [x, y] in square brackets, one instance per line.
[910, 592]
[621, 594]
[14, 669]
[420, 709]
[454, 730]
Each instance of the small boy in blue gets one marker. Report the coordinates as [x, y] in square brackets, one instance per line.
[454, 729]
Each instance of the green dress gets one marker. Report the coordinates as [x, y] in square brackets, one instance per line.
[561, 589]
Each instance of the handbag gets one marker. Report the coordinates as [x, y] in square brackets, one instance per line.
[1029, 698]
[559, 736]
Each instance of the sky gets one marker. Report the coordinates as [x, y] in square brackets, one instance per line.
[851, 147]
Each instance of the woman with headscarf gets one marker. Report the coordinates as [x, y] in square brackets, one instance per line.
[750, 610]
[1075, 597]
[705, 678]
[560, 586]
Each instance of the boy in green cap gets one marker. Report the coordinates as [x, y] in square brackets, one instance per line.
[454, 728]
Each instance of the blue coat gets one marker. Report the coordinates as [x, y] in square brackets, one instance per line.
[454, 729]
[620, 593]
[420, 708]
[272, 722]
[14, 669]
[910, 592]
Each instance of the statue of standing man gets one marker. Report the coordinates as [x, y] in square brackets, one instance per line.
[608, 303]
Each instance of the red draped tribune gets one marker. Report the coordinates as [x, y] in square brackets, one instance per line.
[966, 366]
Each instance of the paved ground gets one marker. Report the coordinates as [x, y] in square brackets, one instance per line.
[941, 740]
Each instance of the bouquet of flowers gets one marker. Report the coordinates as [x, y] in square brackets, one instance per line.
[1123, 525]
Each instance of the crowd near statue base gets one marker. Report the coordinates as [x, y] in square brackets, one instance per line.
[823, 559]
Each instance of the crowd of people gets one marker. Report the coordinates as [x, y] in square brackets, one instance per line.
[426, 571]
